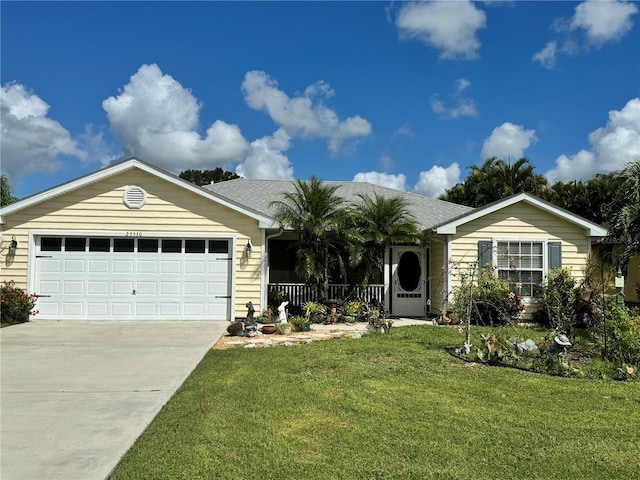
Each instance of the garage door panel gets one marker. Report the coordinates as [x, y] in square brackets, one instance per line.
[123, 266]
[169, 309]
[48, 287]
[95, 309]
[146, 288]
[170, 288]
[147, 266]
[74, 266]
[122, 309]
[171, 267]
[47, 310]
[194, 267]
[194, 288]
[122, 287]
[98, 287]
[128, 285]
[73, 287]
[50, 265]
[72, 309]
[146, 310]
[194, 309]
[99, 266]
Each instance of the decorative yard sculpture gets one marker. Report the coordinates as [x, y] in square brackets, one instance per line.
[282, 312]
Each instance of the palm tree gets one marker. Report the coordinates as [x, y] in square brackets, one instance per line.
[378, 221]
[494, 180]
[319, 216]
[625, 219]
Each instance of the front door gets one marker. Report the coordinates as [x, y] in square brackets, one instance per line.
[409, 281]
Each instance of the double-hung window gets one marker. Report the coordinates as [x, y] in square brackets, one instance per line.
[521, 263]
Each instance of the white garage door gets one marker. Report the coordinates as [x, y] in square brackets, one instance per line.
[133, 278]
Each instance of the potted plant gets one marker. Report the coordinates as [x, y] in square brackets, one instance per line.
[314, 311]
[300, 324]
[351, 310]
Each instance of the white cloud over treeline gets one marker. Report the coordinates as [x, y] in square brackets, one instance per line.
[156, 118]
[612, 146]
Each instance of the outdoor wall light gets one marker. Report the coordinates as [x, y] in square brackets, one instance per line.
[248, 247]
[12, 247]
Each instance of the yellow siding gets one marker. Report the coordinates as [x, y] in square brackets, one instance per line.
[633, 278]
[518, 221]
[169, 208]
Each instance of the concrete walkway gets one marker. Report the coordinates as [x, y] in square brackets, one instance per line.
[76, 395]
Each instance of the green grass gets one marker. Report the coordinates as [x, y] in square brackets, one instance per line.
[385, 407]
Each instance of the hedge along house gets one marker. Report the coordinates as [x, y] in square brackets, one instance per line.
[133, 242]
[521, 236]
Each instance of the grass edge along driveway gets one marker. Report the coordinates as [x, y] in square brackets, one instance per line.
[388, 406]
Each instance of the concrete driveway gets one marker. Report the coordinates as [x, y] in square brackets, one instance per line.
[76, 395]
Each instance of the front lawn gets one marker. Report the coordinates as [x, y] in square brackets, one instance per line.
[386, 407]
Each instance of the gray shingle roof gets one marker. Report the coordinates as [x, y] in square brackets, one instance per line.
[257, 195]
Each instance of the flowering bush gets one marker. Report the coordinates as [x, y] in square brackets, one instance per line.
[493, 301]
[16, 304]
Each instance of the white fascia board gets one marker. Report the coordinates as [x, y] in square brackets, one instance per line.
[591, 229]
[264, 222]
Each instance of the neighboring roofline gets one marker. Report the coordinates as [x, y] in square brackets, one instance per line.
[118, 168]
[592, 229]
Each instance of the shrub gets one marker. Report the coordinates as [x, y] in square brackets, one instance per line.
[559, 303]
[493, 301]
[16, 304]
[623, 334]
[315, 311]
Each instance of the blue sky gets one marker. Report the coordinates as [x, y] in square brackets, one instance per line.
[406, 95]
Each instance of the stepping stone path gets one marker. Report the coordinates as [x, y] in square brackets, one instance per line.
[265, 341]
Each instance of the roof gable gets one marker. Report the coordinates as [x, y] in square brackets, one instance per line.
[122, 167]
[591, 229]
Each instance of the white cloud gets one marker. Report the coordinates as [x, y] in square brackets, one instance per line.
[31, 141]
[449, 27]
[603, 21]
[265, 159]
[437, 179]
[302, 116]
[547, 56]
[156, 119]
[404, 131]
[593, 24]
[397, 182]
[461, 106]
[612, 146]
[508, 141]
[461, 85]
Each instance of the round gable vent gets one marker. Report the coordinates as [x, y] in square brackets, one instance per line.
[134, 197]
